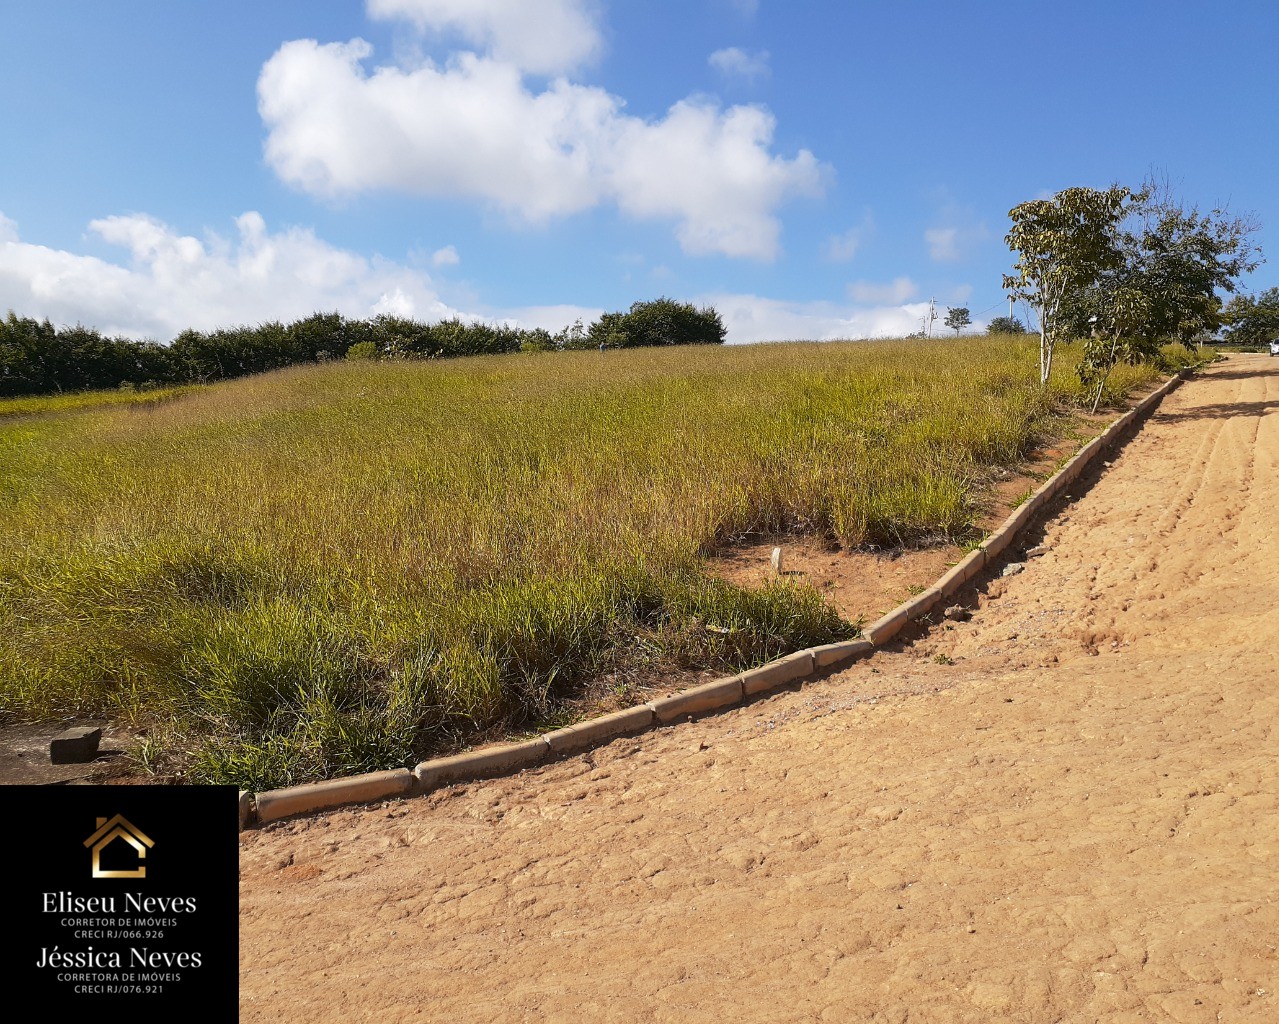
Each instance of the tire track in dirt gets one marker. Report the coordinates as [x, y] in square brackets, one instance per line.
[1076, 818]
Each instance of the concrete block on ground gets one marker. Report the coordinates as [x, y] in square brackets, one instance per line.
[283, 803]
[75, 746]
[778, 673]
[718, 693]
[585, 735]
[476, 764]
[830, 655]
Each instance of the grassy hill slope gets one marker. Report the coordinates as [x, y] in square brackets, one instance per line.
[346, 567]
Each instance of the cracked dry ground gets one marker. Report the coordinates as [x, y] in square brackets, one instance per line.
[1077, 820]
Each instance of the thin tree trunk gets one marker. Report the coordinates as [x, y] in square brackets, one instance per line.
[1110, 362]
[1045, 347]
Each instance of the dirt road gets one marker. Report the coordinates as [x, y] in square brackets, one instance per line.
[1065, 809]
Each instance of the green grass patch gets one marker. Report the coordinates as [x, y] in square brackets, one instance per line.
[73, 401]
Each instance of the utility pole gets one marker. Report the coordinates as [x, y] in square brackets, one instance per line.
[1010, 307]
[932, 315]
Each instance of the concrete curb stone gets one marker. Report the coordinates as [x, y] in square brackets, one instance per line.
[475, 764]
[997, 543]
[830, 655]
[777, 673]
[321, 796]
[958, 575]
[895, 621]
[1060, 480]
[1021, 516]
[599, 730]
[886, 628]
[719, 693]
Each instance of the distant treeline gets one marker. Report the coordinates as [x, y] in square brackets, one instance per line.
[37, 358]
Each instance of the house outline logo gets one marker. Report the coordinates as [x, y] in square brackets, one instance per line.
[107, 832]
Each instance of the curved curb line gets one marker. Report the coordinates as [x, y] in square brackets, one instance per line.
[720, 693]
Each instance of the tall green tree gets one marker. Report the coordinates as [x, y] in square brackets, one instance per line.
[1005, 325]
[1063, 245]
[659, 322]
[1253, 320]
[1179, 259]
[957, 318]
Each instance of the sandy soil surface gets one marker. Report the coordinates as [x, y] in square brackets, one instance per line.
[1064, 809]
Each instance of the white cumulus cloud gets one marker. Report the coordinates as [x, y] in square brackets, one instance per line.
[550, 318]
[754, 318]
[538, 36]
[733, 62]
[895, 292]
[446, 257]
[170, 281]
[473, 129]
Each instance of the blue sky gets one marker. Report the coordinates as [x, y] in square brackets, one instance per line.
[812, 169]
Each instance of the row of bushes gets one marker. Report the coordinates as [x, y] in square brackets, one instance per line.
[37, 358]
